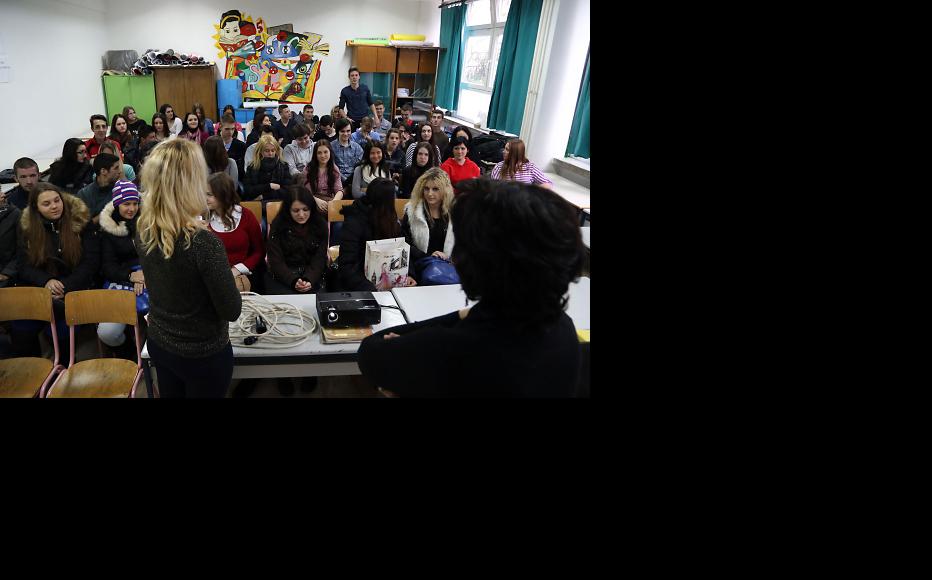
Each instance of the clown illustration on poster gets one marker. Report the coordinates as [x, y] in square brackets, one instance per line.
[280, 68]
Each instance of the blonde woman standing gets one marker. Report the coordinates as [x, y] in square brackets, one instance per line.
[268, 173]
[191, 290]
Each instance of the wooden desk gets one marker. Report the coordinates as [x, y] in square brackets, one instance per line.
[309, 359]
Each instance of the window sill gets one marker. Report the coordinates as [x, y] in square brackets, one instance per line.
[576, 170]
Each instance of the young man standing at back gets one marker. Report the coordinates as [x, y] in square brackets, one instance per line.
[99, 126]
[26, 174]
[436, 124]
[357, 99]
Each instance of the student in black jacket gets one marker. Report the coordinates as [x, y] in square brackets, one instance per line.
[72, 171]
[57, 250]
[297, 249]
[517, 249]
[267, 174]
[9, 225]
[371, 217]
[119, 259]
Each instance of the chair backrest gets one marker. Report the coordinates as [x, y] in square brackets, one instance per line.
[400, 207]
[334, 207]
[271, 210]
[25, 303]
[255, 207]
[93, 306]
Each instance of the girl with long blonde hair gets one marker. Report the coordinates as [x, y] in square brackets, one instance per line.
[192, 294]
[426, 223]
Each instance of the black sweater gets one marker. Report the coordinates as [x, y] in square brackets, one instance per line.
[257, 182]
[299, 247]
[481, 356]
[192, 295]
[9, 233]
[118, 254]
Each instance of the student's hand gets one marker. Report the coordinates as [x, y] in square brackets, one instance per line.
[321, 204]
[410, 282]
[137, 277]
[138, 288]
[275, 186]
[57, 288]
[440, 255]
[389, 335]
[303, 286]
[464, 312]
[236, 272]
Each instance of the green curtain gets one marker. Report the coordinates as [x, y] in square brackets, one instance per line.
[506, 109]
[579, 134]
[450, 67]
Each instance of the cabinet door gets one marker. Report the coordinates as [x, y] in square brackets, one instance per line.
[170, 89]
[407, 60]
[202, 88]
[367, 58]
[386, 60]
[427, 61]
[142, 90]
[117, 94]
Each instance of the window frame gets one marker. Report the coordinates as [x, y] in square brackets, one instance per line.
[494, 30]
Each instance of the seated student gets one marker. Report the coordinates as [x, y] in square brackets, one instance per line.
[394, 153]
[172, 122]
[250, 153]
[57, 250]
[193, 130]
[426, 224]
[459, 167]
[518, 247]
[237, 228]
[462, 131]
[425, 133]
[346, 152]
[308, 117]
[133, 122]
[71, 171]
[126, 170]
[379, 122]
[236, 149]
[99, 193]
[256, 120]
[99, 126]
[258, 127]
[9, 223]
[160, 124]
[423, 160]
[405, 118]
[365, 134]
[120, 133]
[217, 159]
[372, 166]
[325, 130]
[284, 125]
[336, 113]
[206, 124]
[118, 257]
[297, 245]
[297, 154]
[436, 124]
[371, 217]
[146, 135]
[229, 110]
[517, 167]
[26, 174]
[323, 177]
[267, 173]
[407, 137]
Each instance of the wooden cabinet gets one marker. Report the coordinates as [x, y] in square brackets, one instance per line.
[182, 86]
[374, 59]
[407, 60]
[427, 61]
[386, 60]
[414, 69]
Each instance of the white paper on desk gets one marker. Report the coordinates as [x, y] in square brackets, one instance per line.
[386, 263]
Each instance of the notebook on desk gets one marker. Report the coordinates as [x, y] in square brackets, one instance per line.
[331, 335]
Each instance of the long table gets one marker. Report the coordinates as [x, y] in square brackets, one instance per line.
[311, 358]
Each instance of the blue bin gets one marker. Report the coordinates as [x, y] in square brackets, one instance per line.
[229, 92]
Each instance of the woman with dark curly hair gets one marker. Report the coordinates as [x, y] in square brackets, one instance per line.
[517, 249]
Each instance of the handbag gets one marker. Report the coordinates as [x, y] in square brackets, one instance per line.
[434, 271]
[142, 301]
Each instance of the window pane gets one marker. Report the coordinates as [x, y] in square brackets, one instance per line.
[476, 63]
[495, 54]
[502, 10]
[479, 12]
[474, 105]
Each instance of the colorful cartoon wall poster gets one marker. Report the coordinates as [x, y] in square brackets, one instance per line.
[278, 68]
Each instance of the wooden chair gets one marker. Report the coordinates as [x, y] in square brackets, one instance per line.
[400, 207]
[271, 211]
[102, 377]
[28, 376]
[334, 215]
[255, 207]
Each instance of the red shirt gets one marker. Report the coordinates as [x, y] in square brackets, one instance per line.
[93, 147]
[459, 172]
[244, 244]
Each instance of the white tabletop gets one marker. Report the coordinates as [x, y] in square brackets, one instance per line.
[423, 302]
[585, 235]
[313, 345]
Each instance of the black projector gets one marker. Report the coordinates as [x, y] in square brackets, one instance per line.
[344, 309]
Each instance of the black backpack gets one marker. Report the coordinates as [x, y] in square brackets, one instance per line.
[489, 148]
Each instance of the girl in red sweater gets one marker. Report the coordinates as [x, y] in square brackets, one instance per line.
[459, 167]
[236, 227]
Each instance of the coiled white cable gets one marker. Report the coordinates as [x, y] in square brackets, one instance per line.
[280, 318]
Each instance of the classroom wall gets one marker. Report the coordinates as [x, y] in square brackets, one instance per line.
[549, 132]
[187, 27]
[53, 90]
